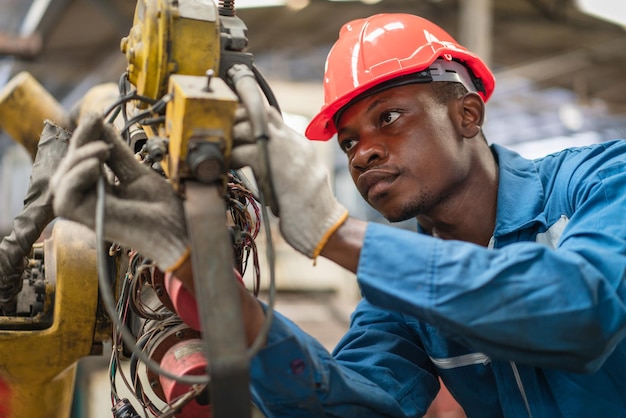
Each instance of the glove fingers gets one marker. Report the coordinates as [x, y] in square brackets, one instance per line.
[242, 129]
[244, 156]
[245, 150]
[75, 195]
[90, 129]
[82, 144]
[95, 150]
[241, 114]
[122, 160]
[274, 117]
[242, 133]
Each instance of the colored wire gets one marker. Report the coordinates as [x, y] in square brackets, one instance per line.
[109, 302]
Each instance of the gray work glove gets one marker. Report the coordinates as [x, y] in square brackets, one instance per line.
[308, 210]
[36, 214]
[142, 210]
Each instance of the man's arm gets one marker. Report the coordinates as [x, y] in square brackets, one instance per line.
[252, 312]
[344, 246]
[294, 376]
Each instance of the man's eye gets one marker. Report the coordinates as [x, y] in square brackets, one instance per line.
[388, 118]
[347, 144]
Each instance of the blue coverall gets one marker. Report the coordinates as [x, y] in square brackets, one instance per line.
[532, 326]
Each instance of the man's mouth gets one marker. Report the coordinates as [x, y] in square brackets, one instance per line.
[375, 183]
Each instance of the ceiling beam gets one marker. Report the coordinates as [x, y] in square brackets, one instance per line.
[24, 47]
[580, 60]
[42, 17]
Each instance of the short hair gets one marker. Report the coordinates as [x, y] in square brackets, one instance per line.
[448, 90]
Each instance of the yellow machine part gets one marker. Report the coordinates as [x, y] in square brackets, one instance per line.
[24, 105]
[181, 37]
[202, 109]
[96, 100]
[38, 366]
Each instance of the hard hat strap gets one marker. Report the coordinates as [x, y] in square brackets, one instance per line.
[452, 70]
[440, 70]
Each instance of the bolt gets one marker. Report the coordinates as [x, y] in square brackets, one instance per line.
[124, 44]
[209, 75]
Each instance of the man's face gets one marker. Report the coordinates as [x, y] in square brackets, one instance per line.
[405, 151]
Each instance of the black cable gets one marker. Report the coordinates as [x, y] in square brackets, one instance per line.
[136, 303]
[107, 294]
[109, 302]
[138, 386]
[124, 98]
[156, 108]
[265, 87]
[271, 260]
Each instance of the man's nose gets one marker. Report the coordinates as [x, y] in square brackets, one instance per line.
[369, 150]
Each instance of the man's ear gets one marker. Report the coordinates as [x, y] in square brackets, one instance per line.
[472, 108]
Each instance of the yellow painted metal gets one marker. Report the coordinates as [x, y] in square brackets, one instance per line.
[181, 37]
[24, 105]
[97, 99]
[39, 365]
[197, 112]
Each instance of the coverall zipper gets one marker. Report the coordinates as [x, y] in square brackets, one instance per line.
[518, 380]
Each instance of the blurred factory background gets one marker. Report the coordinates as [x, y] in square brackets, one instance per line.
[559, 69]
[559, 82]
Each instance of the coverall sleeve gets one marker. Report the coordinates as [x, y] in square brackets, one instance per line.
[378, 369]
[560, 308]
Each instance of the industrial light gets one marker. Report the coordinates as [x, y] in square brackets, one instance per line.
[248, 4]
[297, 4]
[292, 4]
[611, 10]
[363, 1]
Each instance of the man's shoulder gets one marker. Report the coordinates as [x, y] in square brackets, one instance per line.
[606, 149]
[613, 147]
[583, 159]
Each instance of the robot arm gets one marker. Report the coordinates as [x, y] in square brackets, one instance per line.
[187, 73]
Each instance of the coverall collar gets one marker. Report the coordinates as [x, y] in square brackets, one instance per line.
[520, 191]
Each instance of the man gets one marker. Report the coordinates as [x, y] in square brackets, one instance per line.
[514, 290]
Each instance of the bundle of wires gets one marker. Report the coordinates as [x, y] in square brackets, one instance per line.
[246, 211]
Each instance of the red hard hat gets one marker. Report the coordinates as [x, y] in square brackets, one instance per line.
[385, 46]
